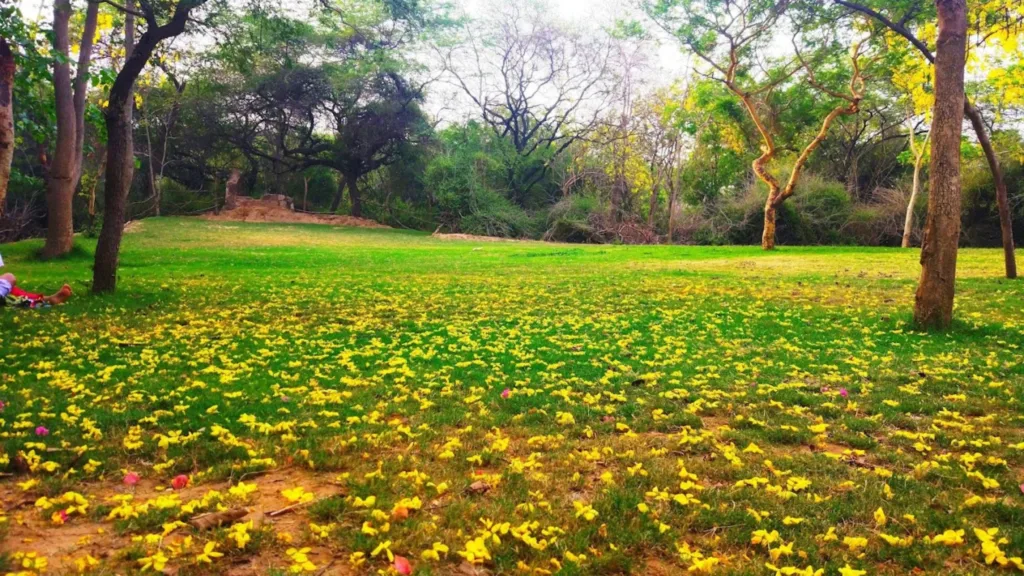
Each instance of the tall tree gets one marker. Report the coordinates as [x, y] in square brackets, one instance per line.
[918, 151]
[6, 118]
[120, 149]
[60, 181]
[539, 86]
[69, 101]
[726, 35]
[993, 17]
[934, 300]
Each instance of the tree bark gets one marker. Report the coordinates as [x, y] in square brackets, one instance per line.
[1005, 220]
[6, 118]
[82, 83]
[933, 307]
[62, 176]
[353, 196]
[120, 149]
[908, 222]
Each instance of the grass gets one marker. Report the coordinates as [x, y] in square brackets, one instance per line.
[664, 405]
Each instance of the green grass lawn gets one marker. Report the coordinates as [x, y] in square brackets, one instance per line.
[718, 410]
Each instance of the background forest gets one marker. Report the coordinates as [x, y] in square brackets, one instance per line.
[507, 123]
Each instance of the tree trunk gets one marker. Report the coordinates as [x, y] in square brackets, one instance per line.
[1005, 220]
[6, 119]
[908, 222]
[336, 201]
[305, 193]
[62, 176]
[671, 213]
[933, 307]
[120, 149]
[768, 235]
[82, 82]
[353, 196]
[653, 207]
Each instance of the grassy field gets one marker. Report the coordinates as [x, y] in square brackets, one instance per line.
[370, 397]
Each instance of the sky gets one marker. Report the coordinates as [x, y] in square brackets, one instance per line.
[666, 63]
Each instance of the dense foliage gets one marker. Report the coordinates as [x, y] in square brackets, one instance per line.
[327, 103]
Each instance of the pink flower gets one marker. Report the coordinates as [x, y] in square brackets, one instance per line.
[131, 479]
[843, 392]
[1022, 488]
[506, 393]
[63, 516]
[2, 405]
[42, 431]
[402, 566]
[180, 481]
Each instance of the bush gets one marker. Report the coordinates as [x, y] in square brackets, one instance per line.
[569, 220]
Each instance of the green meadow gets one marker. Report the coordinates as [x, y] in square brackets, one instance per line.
[354, 401]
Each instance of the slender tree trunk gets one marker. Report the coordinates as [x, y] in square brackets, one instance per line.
[338, 194]
[933, 307]
[908, 222]
[353, 196]
[671, 213]
[305, 193]
[82, 82]
[154, 186]
[6, 119]
[63, 173]
[1005, 219]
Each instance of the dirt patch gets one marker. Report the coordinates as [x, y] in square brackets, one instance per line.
[261, 212]
[133, 227]
[30, 531]
[476, 238]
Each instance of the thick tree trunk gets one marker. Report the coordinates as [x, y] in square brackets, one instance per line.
[63, 173]
[1005, 220]
[120, 170]
[768, 235]
[6, 119]
[353, 196]
[933, 307]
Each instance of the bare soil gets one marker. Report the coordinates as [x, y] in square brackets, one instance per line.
[260, 212]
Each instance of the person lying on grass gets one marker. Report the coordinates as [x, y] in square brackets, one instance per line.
[11, 295]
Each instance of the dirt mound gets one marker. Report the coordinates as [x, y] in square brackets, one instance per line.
[263, 212]
[474, 237]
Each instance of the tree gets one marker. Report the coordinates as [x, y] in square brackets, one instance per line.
[934, 300]
[120, 150]
[7, 67]
[993, 18]
[539, 86]
[918, 151]
[726, 35]
[69, 100]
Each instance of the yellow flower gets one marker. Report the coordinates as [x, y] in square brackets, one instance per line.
[848, 571]
[855, 543]
[880, 519]
[209, 554]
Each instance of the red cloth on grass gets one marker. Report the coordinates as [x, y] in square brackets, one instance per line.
[30, 295]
